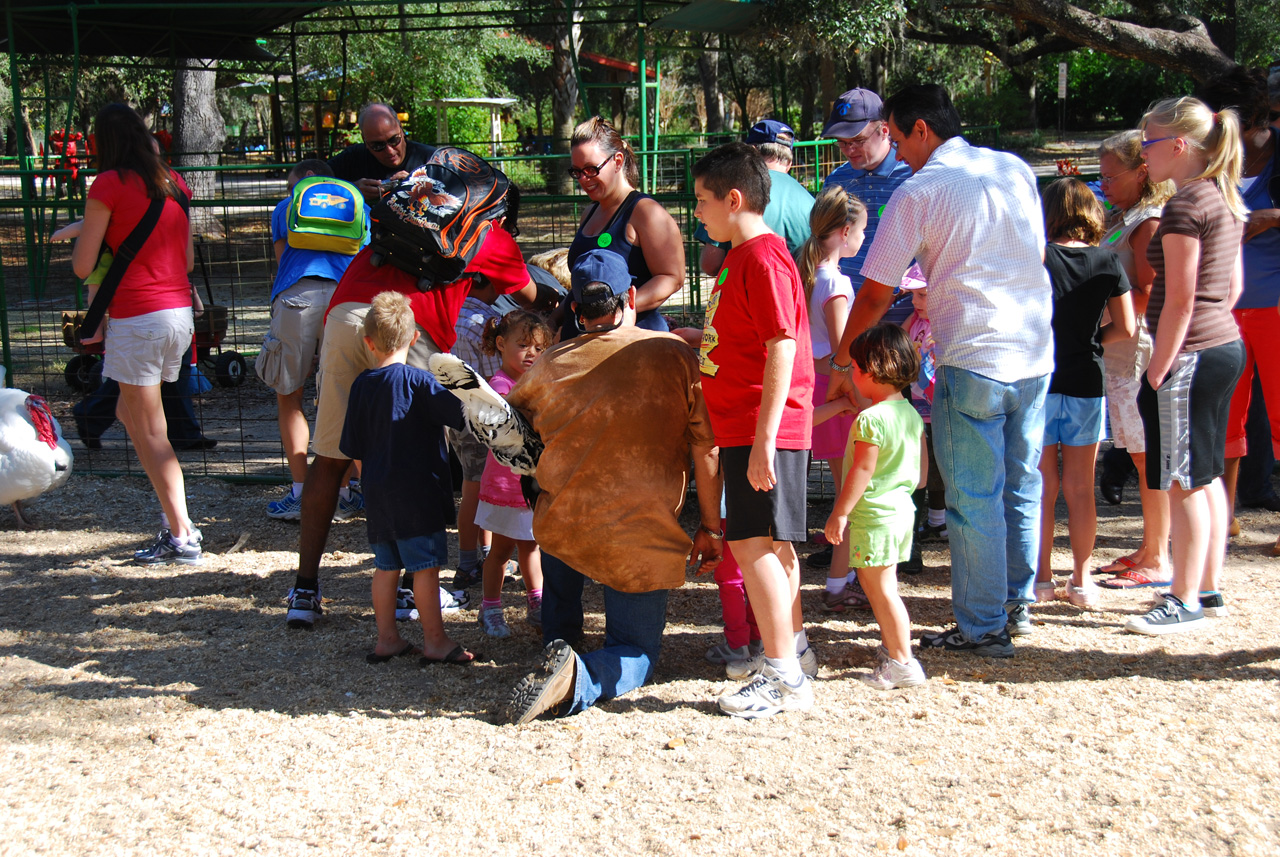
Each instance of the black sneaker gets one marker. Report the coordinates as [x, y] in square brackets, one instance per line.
[930, 533]
[1169, 617]
[305, 607]
[1019, 624]
[995, 644]
[1213, 605]
[544, 689]
[465, 578]
[820, 559]
[914, 563]
[166, 550]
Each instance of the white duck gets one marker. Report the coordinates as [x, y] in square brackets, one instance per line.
[34, 456]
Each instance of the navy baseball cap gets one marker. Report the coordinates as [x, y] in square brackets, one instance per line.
[600, 266]
[851, 113]
[771, 131]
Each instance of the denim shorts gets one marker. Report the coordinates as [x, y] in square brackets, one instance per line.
[1072, 420]
[414, 554]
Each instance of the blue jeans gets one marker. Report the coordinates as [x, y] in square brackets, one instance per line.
[633, 626]
[988, 436]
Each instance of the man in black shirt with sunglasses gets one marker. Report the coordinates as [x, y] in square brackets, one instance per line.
[386, 152]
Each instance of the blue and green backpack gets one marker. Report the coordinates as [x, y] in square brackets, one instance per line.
[326, 214]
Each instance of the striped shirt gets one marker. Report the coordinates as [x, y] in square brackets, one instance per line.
[873, 187]
[472, 318]
[971, 218]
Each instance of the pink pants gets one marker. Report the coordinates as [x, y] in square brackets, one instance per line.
[1260, 331]
[739, 620]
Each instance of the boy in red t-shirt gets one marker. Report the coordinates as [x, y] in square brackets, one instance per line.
[757, 332]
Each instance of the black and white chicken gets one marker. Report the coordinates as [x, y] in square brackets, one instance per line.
[497, 425]
[34, 456]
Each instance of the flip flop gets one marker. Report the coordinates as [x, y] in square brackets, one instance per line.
[1132, 579]
[375, 658]
[1119, 566]
[458, 657]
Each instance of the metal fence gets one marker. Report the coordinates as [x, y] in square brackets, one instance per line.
[233, 274]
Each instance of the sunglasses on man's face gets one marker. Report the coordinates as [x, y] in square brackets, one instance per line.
[380, 145]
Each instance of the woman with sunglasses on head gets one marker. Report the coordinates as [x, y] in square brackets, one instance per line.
[625, 221]
[1197, 356]
[1245, 90]
[1137, 202]
[150, 325]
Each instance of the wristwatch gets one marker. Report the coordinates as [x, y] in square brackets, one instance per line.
[836, 367]
[715, 534]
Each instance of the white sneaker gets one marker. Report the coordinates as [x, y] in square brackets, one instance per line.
[723, 653]
[889, 674]
[493, 622]
[766, 695]
[751, 666]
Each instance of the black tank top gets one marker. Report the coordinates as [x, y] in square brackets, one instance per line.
[614, 238]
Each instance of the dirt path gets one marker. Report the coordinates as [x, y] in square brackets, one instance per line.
[146, 712]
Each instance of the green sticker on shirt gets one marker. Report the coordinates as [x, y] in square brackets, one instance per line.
[1114, 238]
[724, 274]
[880, 211]
[604, 240]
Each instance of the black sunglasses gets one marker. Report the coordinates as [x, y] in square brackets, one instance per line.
[588, 172]
[379, 145]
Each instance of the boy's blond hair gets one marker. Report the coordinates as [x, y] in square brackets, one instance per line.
[555, 263]
[390, 322]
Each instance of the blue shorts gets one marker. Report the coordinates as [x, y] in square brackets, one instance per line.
[413, 554]
[1073, 421]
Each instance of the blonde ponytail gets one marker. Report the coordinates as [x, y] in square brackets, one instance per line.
[832, 211]
[1217, 135]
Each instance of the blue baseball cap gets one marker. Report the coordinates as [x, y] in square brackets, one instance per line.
[599, 266]
[851, 113]
[771, 131]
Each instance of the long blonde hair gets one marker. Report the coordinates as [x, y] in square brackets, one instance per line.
[1126, 147]
[834, 209]
[1215, 134]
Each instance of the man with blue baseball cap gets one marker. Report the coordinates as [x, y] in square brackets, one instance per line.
[787, 213]
[620, 411]
[872, 172]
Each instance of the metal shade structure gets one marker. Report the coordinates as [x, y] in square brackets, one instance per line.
[204, 29]
[729, 17]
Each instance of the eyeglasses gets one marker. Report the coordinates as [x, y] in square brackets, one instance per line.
[1110, 179]
[588, 172]
[1148, 143]
[857, 142]
[380, 145]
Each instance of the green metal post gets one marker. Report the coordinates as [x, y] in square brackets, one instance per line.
[26, 181]
[644, 94]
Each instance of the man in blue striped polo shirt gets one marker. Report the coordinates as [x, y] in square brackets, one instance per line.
[872, 173]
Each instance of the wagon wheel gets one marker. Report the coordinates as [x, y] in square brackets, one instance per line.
[79, 372]
[230, 369]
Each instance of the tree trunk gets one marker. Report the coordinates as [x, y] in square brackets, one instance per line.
[1024, 78]
[564, 92]
[712, 98]
[198, 134]
[808, 97]
[827, 76]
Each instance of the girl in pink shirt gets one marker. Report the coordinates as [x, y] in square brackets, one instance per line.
[518, 338]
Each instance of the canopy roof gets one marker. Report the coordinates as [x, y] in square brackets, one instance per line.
[201, 29]
[730, 17]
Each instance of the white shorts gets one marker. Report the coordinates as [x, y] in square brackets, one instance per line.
[510, 521]
[291, 344]
[144, 350]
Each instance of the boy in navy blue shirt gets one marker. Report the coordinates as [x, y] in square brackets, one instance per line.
[395, 425]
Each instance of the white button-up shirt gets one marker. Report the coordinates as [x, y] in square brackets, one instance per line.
[971, 217]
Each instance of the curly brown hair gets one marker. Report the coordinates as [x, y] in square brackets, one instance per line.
[886, 355]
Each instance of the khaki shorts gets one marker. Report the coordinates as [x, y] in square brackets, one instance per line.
[146, 349]
[343, 356]
[472, 454]
[291, 344]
